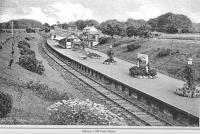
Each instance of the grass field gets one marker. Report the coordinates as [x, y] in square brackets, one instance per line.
[28, 107]
[170, 65]
[188, 36]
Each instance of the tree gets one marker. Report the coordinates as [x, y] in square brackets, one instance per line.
[83, 23]
[47, 25]
[80, 24]
[137, 28]
[113, 27]
[92, 23]
[171, 23]
[131, 31]
[153, 23]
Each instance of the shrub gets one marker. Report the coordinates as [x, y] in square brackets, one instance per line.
[5, 104]
[31, 64]
[77, 112]
[164, 52]
[93, 55]
[23, 44]
[122, 41]
[104, 40]
[141, 71]
[44, 91]
[133, 47]
[30, 30]
[135, 71]
[27, 51]
[188, 74]
[152, 72]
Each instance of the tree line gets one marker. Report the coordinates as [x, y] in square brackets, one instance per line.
[168, 23]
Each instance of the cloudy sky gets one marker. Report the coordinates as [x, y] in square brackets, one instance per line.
[51, 11]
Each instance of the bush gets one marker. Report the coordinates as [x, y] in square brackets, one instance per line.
[164, 52]
[44, 91]
[93, 55]
[23, 44]
[104, 40]
[141, 71]
[5, 104]
[135, 71]
[31, 64]
[30, 30]
[133, 47]
[27, 51]
[152, 72]
[123, 41]
[77, 112]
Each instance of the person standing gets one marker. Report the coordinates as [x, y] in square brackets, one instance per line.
[11, 56]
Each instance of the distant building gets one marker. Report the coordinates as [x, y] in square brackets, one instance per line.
[67, 42]
[90, 29]
[57, 27]
[72, 27]
[91, 36]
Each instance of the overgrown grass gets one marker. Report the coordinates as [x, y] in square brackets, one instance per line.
[44, 91]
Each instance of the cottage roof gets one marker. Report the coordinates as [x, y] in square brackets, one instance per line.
[59, 38]
[90, 28]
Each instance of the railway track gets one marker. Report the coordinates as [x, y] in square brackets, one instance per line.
[114, 100]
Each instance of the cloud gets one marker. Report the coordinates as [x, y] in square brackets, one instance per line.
[146, 11]
[51, 13]
[70, 11]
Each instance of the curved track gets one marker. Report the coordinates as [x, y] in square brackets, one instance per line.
[113, 100]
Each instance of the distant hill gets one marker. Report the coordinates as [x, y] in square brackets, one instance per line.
[21, 24]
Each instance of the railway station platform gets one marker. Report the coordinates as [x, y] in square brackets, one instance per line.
[161, 88]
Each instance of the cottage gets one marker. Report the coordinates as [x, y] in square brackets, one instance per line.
[71, 40]
[60, 40]
[67, 42]
[56, 27]
[90, 29]
[91, 36]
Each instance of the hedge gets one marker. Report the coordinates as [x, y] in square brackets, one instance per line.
[104, 40]
[5, 104]
[164, 52]
[31, 64]
[133, 47]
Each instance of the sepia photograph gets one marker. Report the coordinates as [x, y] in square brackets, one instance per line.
[100, 66]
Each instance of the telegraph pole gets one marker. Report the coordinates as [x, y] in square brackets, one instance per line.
[12, 28]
